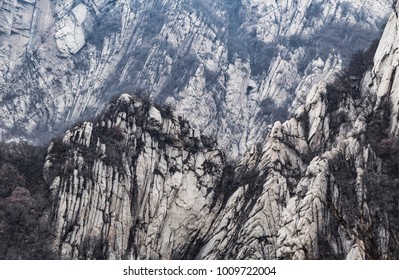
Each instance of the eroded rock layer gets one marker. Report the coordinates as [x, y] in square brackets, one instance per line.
[61, 61]
[140, 183]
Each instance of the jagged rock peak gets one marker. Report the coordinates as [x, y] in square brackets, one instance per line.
[140, 183]
[61, 60]
[135, 184]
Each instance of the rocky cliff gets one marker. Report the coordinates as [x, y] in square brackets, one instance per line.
[325, 182]
[140, 183]
[133, 184]
[61, 61]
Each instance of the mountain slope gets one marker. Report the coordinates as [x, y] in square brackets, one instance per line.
[141, 184]
[62, 61]
[132, 185]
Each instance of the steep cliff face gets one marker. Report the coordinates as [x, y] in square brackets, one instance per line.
[62, 61]
[133, 184]
[140, 183]
[326, 180]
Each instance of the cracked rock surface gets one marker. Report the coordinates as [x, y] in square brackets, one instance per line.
[62, 61]
[140, 183]
[131, 184]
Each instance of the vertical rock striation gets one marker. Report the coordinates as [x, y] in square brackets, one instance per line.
[61, 61]
[133, 184]
[140, 183]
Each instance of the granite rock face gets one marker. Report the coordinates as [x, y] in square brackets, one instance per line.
[132, 182]
[140, 183]
[62, 61]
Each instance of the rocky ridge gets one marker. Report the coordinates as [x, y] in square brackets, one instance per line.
[322, 186]
[131, 182]
[63, 60]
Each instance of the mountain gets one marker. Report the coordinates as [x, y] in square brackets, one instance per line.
[143, 180]
[140, 183]
[63, 61]
[129, 180]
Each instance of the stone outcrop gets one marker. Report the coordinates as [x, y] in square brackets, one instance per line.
[70, 37]
[132, 184]
[61, 61]
[140, 183]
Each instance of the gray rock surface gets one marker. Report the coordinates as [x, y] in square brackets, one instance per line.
[140, 183]
[62, 61]
[131, 183]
